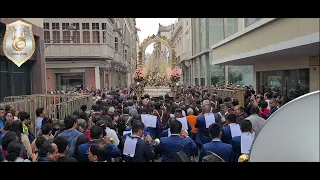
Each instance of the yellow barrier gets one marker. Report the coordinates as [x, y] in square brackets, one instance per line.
[56, 106]
[236, 94]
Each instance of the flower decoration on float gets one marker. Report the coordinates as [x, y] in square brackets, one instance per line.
[175, 75]
[138, 75]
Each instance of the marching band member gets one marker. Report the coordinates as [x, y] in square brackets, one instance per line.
[153, 127]
[230, 131]
[216, 146]
[185, 124]
[178, 140]
[166, 132]
[136, 149]
[96, 133]
[238, 146]
[202, 135]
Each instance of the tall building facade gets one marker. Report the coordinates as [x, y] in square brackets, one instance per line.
[97, 54]
[284, 53]
[193, 38]
[181, 37]
[30, 77]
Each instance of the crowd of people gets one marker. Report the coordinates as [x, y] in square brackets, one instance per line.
[194, 126]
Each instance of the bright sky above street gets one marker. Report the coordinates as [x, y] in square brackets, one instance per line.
[149, 26]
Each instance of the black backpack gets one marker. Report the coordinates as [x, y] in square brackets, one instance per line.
[180, 156]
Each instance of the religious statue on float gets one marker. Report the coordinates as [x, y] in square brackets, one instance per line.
[156, 69]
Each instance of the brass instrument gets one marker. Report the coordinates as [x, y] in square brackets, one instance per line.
[243, 158]
[154, 142]
[278, 138]
[212, 157]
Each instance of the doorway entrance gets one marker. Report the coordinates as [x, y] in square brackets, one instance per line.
[69, 81]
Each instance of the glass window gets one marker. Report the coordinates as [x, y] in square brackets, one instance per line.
[292, 83]
[230, 26]
[249, 21]
[203, 45]
[216, 30]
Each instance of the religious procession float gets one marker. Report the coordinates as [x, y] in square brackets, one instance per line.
[159, 75]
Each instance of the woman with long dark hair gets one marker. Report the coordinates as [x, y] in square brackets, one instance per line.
[18, 129]
[15, 152]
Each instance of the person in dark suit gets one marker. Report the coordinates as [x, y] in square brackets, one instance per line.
[216, 146]
[169, 146]
[202, 135]
[226, 136]
[143, 150]
[154, 132]
[245, 126]
[165, 132]
[178, 114]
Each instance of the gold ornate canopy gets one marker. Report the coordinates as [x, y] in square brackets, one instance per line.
[157, 39]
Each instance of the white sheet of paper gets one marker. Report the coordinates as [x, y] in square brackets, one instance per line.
[210, 119]
[169, 132]
[184, 123]
[129, 148]
[246, 142]
[184, 113]
[171, 115]
[149, 120]
[235, 129]
[126, 132]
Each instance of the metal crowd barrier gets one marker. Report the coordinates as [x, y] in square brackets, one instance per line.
[56, 106]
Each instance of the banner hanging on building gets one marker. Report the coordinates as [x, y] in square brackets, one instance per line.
[18, 42]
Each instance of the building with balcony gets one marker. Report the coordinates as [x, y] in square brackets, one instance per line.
[96, 55]
[284, 53]
[30, 77]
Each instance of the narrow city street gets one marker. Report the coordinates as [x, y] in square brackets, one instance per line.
[159, 90]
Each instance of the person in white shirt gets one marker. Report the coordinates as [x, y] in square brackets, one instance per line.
[40, 115]
[267, 97]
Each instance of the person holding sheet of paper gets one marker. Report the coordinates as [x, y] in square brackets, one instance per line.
[136, 149]
[202, 135]
[152, 124]
[230, 131]
[128, 131]
[216, 146]
[178, 139]
[247, 134]
[185, 124]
